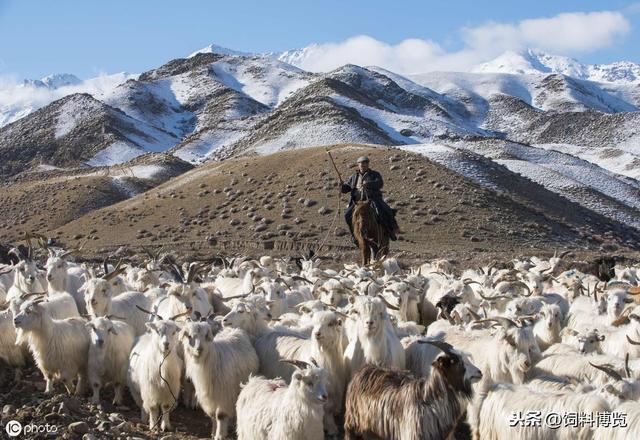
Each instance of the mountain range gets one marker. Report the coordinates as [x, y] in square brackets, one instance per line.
[571, 128]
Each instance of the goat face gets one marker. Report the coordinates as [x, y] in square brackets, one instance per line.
[26, 273]
[56, 270]
[458, 371]
[370, 313]
[521, 339]
[616, 301]
[311, 383]
[240, 316]
[97, 296]
[195, 337]
[327, 329]
[552, 316]
[29, 317]
[164, 334]
[99, 330]
[331, 296]
[590, 342]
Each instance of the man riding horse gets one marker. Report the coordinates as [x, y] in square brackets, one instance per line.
[365, 184]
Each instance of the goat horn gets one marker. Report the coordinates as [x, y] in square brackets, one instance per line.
[180, 315]
[391, 306]
[626, 365]
[193, 270]
[296, 363]
[523, 284]
[145, 311]
[468, 281]
[609, 371]
[635, 290]
[631, 341]
[115, 317]
[299, 278]
[444, 346]
[493, 298]
[6, 270]
[30, 295]
[504, 322]
[337, 312]
[474, 314]
[229, 298]
[314, 362]
[562, 255]
[618, 283]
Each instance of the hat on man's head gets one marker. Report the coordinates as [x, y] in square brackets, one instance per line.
[363, 159]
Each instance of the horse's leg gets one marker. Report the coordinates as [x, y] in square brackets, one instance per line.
[366, 253]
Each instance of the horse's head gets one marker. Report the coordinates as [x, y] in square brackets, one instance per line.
[363, 206]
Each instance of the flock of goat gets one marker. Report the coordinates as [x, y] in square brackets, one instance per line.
[294, 351]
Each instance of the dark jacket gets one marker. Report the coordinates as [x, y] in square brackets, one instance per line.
[374, 182]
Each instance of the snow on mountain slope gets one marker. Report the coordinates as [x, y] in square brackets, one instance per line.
[17, 100]
[214, 48]
[579, 181]
[551, 92]
[54, 81]
[531, 61]
[75, 130]
[267, 81]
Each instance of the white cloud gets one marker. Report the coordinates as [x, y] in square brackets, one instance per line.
[18, 99]
[566, 33]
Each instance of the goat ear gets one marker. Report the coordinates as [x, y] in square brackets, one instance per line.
[113, 331]
[297, 375]
[352, 299]
[339, 321]
[151, 326]
[601, 338]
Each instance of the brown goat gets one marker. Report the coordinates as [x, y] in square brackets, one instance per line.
[395, 405]
[372, 237]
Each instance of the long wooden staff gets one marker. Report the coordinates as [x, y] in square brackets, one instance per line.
[334, 166]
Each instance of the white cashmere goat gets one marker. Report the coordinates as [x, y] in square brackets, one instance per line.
[101, 301]
[59, 346]
[372, 339]
[324, 346]
[111, 343]
[155, 372]
[217, 365]
[273, 410]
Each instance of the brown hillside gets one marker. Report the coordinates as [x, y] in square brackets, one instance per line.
[287, 202]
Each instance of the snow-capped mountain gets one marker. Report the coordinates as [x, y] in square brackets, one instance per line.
[535, 62]
[220, 50]
[53, 81]
[550, 122]
[18, 99]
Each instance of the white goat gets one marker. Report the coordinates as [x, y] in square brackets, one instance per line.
[111, 343]
[59, 346]
[155, 372]
[217, 366]
[272, 410]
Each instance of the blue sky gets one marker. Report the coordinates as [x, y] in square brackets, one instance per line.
[92, 37]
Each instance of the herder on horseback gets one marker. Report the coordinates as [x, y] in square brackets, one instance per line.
[365, 185]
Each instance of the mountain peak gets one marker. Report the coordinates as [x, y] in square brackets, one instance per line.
[536, 62]
[220, 50]
[53, 81]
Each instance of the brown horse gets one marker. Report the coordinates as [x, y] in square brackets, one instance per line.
[372, 237]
